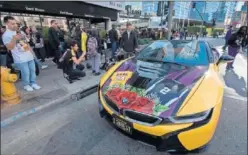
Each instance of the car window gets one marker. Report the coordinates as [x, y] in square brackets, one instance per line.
[191, 53]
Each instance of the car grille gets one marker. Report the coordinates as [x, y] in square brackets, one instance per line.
[111, 104]
[141, 118]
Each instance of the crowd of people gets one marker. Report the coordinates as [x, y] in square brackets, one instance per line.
[22, 48]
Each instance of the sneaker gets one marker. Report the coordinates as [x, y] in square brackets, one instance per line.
[93, 71]
[44, 66]
[35, 86]
[28, 88]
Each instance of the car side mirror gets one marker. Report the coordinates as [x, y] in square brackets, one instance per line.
[225, 59]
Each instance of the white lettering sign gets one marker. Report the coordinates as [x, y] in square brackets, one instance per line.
[34, 9]
[39, 10]
[65, 13]
[29, 9]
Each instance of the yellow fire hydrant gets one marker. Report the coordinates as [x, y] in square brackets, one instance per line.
[9, 92]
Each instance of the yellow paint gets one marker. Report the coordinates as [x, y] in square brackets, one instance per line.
[200, 136]
[9, 92]
[105, 77]
[206, 94]
[160, 130]
[120, 78]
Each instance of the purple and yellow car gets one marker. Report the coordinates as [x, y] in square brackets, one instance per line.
[169, 95]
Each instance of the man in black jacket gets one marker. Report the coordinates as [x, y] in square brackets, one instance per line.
[53, 37]
[113, 36]
[129, 41]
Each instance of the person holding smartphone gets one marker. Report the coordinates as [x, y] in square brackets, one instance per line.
[21, 52]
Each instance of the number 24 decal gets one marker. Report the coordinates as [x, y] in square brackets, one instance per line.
[165, 90]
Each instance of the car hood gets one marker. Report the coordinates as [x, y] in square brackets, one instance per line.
[152, 88]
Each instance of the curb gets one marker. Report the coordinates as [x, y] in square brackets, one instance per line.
[79, 95]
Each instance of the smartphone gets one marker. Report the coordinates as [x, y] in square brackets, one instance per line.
[18, 32]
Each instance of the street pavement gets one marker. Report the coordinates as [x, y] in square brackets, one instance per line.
[76, 128]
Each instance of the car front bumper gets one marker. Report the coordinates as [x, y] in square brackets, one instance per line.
[172, 137]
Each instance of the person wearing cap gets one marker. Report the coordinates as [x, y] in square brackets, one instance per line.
[129, 41]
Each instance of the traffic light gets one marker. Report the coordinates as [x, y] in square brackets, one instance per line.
[166, 8]
[193, 5]
[159, 13]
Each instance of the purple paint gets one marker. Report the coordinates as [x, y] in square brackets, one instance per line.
[191, 76]
[169, 112]
[174, 75]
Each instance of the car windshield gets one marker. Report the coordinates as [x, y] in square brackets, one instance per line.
[189, 53]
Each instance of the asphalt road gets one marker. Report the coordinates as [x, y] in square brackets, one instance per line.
[76, 128]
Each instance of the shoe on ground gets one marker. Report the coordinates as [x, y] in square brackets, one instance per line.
[93, 71]
[28, 88]
[35, 86]
[44, 66]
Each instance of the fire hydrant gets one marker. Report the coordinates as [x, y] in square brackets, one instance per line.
[9, 92]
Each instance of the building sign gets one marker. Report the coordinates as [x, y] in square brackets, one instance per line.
[63, 8]
[110, 4]
[34, 9]
[65, 13]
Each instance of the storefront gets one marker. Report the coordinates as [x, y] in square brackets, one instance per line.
[37, 13]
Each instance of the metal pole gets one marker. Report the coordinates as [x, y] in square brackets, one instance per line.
[203, 18]
[162, 4]
[171, 3]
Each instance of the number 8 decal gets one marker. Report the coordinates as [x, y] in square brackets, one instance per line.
[165, 90]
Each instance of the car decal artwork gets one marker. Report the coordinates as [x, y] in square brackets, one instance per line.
[161, 96]
[129, 97]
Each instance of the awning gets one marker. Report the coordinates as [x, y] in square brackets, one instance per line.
[63, 8]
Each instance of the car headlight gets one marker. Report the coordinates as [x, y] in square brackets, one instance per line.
[198, 117]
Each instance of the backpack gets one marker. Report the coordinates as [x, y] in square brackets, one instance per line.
[92, 46]
[63, 61]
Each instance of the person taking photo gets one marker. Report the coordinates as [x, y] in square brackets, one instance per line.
[22, 54]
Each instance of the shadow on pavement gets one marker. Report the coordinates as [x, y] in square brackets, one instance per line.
[232, 80]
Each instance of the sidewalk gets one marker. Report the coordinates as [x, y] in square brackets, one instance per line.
[55, 89]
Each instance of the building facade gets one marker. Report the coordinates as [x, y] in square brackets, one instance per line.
[203, 11]
[149, 8]
[182, 9]
[37, 13]
[244, 12]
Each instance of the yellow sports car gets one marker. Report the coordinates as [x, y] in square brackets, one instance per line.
[169, 95]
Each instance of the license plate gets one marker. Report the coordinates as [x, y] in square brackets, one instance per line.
[122, 124]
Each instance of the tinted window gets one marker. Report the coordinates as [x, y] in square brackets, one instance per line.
[192, 53]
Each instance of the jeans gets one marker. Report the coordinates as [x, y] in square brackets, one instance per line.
[96, 62]
[61, 47]
[114, 48]
[28, 72]
[77, 72]
[38, 62]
